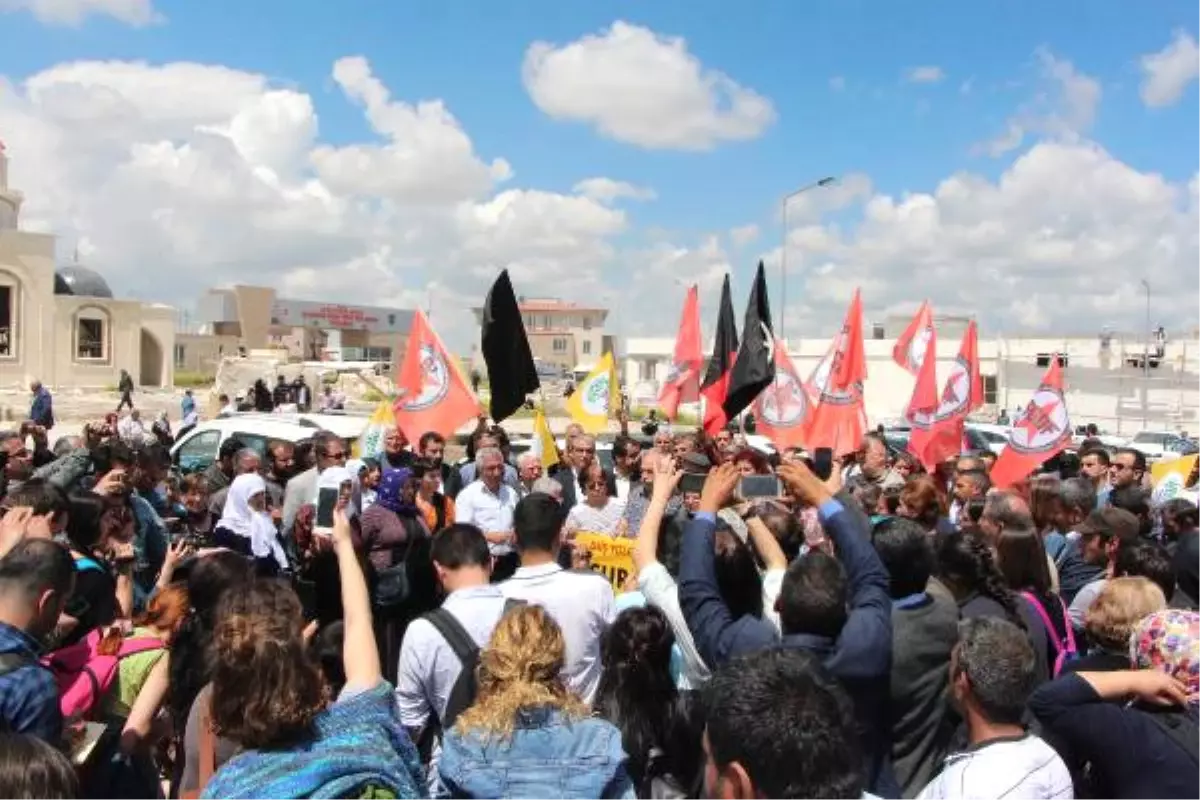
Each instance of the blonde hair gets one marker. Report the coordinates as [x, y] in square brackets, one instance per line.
[520, 668]
[1121, 604]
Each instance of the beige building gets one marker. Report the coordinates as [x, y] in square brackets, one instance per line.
[566, 335]
[63, 326]
[254, 318]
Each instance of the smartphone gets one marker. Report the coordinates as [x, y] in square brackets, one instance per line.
[692, 482]
[823, 462]
[751, 486]
[327, 500]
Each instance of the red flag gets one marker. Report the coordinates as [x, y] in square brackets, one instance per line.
[720, 366]
[910, 348]
[683, 379]
[938, 435]
[925, 392]
[781, 410]
[433, 394]
[836, 388]
[1043, 429]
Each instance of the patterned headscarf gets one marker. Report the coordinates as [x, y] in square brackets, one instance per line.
[391, 486]
[1168, 641]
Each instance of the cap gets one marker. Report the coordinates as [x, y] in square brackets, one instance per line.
[1108, 522]
[695, 462]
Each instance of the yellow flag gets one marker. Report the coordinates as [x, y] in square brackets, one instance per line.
[370, 441]
[543, 441]
[596, 397]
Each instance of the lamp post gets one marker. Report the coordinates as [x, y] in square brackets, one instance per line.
[787, 198]
[1146, 359]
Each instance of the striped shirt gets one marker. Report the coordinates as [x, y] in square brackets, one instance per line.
[585, 518]
[1023, 767]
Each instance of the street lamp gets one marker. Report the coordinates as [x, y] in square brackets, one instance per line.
[1146, 359]
[787, 198]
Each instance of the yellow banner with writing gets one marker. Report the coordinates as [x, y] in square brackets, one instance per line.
[612, 558]
[1170, 477]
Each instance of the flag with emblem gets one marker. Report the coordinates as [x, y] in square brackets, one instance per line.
[370, 442]
[938, 436]
[924, 398]
[754, 367]
[835, 388]
[1042, 430]
[716, 378]
[910, 348]
[781, 410]
[432, 393]
[683, 380]
[596, 397]
[543, 441]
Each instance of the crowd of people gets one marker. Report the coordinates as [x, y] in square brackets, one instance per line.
[302, 623]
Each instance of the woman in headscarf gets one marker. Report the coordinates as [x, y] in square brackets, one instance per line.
[162, 429]
[246, 527]
[395, 540]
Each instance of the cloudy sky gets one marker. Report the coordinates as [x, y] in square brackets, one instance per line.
[1026, 162]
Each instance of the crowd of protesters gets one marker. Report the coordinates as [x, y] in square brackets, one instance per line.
[865, 629]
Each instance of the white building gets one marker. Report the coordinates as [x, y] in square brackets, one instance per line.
[1106, 381]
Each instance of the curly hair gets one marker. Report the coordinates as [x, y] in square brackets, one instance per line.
[520, 668]
[267, 690]
[921, 501]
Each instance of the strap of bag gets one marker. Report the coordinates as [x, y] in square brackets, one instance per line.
[11, 662]
[83, 564]
[144, 644]
[452, 631]
[1059, 647]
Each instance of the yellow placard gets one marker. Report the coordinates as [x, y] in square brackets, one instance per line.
[612, 558]
[1182, 465]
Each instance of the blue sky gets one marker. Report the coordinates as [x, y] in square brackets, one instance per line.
[834, 74]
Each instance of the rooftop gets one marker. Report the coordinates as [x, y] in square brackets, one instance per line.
[552, 304]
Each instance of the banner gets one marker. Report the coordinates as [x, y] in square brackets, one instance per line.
[611, 557]
[596, 397]
[1170, 477]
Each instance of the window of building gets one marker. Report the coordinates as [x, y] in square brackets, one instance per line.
[8, 316]
[587, 322]
[989, 389]
[180, 356]
[1043, 359]
[91, 335]
[877, 332]
[391, 319]
[559, 345]
[587, 348]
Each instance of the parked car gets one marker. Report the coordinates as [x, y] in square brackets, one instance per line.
[198, 448]
[1160, 445]
[988, 436]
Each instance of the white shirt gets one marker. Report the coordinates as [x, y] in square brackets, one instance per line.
[582, 605]
[585, 518]
[1016, 769]
[428, 667]
[491, 512]
[660, 591]
[623, 487]
[131, 430]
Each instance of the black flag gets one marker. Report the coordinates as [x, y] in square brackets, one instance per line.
[511, 372]
[716, 378]
[754, 369]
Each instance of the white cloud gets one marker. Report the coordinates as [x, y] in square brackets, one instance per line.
[837, 83]
[606, 190]
[1064, 107]
[924, 74]
[1058, 242]
[638, 87]
[1168, 72]
[73, 12]
[743, 234]
[178, 177]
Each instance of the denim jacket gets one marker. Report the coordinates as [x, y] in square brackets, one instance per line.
[547, 756]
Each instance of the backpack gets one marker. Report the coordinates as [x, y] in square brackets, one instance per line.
[1064, 651]
[462, 694]
[84, 676]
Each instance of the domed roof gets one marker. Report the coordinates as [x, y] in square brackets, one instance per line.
[80, 281]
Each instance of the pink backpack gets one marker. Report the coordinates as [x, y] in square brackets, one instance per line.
[1064, 651]
[84, 676]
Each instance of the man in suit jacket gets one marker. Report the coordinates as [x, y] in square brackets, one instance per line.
[581, 452]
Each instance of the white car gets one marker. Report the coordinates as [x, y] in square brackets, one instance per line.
[1160, 445]
[198, 448]
[996, 436]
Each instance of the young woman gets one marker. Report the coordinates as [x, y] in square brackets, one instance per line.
[270, 697]
[436, 507]
[1021, 558]
[527, 735]
[659, 726]
[98, 535]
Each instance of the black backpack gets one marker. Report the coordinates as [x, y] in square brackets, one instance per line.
[462, 695]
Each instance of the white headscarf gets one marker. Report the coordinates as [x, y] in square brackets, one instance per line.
[360, 497]
[257, 526]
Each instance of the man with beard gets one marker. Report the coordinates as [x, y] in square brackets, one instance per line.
[281, 465]
[432, 450]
